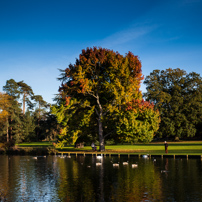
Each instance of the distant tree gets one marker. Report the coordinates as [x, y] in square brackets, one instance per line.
[178, 97]
[24, 125]
[94, 92]
[27, 93]
[49, 127]
[40, 102]
[39, 114]
[12, 88]
[16, 89]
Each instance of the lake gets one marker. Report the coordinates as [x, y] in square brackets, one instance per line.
[87, 178]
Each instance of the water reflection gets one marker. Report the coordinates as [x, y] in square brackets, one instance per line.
[80, 178]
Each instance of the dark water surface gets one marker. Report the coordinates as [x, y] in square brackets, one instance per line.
[23, 178]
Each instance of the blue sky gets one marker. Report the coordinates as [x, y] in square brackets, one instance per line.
[38, 37]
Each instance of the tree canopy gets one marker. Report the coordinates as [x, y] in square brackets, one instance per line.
[94, 94]
[177, 95]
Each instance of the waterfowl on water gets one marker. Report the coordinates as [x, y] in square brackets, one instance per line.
[145, 156]
[134, 165]
[164, 171]
[99, 157]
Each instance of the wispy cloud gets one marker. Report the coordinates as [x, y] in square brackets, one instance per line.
[127, 35]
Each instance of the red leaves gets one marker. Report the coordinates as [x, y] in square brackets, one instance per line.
[100, 68]
[67, 99]
[139, 105]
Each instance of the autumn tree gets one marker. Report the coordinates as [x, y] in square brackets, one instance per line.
[5, 104]
[94, 92]
[178, 97]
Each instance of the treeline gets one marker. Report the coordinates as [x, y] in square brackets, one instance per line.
[24, 116]
[173, 93]
[100, 99]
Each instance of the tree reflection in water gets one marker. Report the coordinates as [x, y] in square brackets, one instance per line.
[80, 179]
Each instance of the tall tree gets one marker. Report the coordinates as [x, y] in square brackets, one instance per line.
[16, 89]
[12, 88]
[178, 97]
[40, 102]
[94, 91]
[27, 93]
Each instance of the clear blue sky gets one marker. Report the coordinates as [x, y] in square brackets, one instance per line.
[38, 37]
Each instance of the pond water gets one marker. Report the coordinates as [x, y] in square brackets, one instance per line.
[87, 178]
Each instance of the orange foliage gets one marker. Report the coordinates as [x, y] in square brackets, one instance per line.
[67, 99]
[140, 105]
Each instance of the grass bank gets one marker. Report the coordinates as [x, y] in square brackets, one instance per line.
[157, 148]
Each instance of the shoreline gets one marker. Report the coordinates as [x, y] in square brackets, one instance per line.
[45, 151]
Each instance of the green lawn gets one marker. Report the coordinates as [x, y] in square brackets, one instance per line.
[35, 144]
[177, 148]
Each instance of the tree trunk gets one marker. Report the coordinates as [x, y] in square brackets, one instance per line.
[24, 104]
[100, 127]
[7, 130]
[101, 136]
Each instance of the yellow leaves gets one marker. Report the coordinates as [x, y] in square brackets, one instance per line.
[75, 136]
[4, 105]
[3, 114]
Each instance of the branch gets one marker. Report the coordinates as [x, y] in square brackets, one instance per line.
[90, 93]
[96, 111]
[109, 133]
[113, 102]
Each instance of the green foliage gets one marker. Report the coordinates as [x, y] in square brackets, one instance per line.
[177, 95]
[139, 122]
[94, 92]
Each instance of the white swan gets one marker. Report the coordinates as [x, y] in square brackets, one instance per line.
[99, 157]
[134, 165]
[164, 171]
[145, 156]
